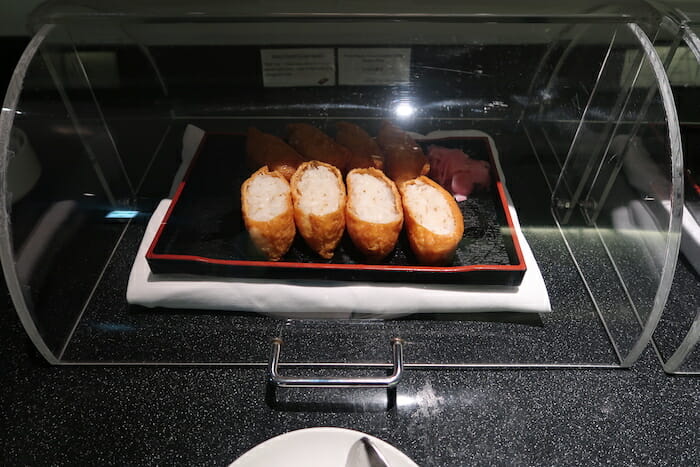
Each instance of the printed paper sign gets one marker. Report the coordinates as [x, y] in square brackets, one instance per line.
[298, 67]
[374, 66]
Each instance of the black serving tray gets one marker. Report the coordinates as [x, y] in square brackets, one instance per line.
[203, 232]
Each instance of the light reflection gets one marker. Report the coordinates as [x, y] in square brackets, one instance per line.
[114, 327]
[121, 214]
[405, 401]
[404, 110]
[425, 403]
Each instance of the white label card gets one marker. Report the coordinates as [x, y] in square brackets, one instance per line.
[298, 67]
[374, 66]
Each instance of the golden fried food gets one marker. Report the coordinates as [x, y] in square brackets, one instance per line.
[266, 149]
[403, 157]
[266, 204]
[374, 215]
[318, 195]
[314, 144]
[434, 223]
[364, 150]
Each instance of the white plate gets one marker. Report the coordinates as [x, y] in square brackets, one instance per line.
[322, 447]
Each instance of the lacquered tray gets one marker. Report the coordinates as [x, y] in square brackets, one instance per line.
[203, 232]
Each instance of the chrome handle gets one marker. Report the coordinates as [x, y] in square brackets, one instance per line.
[310, 382]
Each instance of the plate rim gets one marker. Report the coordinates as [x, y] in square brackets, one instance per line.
[302, 432]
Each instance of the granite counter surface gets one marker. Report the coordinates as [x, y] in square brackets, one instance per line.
[210, 416]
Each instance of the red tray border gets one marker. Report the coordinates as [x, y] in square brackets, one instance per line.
[520, 266]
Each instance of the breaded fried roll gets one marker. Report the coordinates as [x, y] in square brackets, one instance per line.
[266, 149]
[266, 204]
[403, 157]
[434, 223]
[374, 215]
[314, 144]
[318, 195]
[364, 150]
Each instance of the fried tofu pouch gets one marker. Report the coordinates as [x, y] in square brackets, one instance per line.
[314, 144]
[266, 149]
[364, 150]
[403, 157]
[268, 214]
[318, 196]
[374, 214]
[434, 223]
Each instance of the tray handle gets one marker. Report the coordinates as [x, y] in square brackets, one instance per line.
[314, 382]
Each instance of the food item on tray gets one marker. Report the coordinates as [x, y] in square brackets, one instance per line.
[457, 172]
[266, 149]
[364, 150]
[374, 214]
[268, 214]
[314, 144]
[403, 157]
[434, 223]
[318, 195]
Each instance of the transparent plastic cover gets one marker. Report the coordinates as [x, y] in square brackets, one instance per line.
[569, 107]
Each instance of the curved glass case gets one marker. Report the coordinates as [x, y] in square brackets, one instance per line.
[572, 109]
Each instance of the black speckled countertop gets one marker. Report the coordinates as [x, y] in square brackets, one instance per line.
[210, 416]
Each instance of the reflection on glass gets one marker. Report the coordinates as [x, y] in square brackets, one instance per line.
[404, 110]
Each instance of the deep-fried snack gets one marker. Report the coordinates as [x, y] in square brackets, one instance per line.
[403, 157]
[266, 149]
[434, 223]
[314, 144]
[364, 150]
[266, 204]
[374, 215]
[318, 195]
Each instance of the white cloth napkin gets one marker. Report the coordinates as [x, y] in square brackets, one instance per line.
[337, 299]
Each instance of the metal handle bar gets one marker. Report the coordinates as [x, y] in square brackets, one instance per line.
[364, 381]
